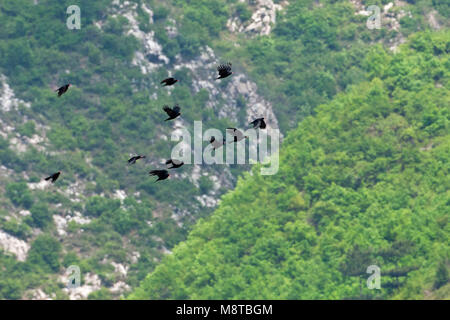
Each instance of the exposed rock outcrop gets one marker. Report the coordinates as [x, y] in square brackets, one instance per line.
[151, 55]
[91, 282]
[432, 20]
[14, 245]
[262, 20]
[8, 100]
[18, 142]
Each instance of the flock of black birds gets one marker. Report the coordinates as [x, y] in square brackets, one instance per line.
[224, 71]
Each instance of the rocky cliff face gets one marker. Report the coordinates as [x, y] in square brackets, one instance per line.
[263, 18]
[10, 108]
[203, 67]
[203, 70]
[11, 244]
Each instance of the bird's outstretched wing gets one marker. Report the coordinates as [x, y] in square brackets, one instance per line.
[177, 162]
[169, 111]
[176, 108]
[53, 177]
[236, 133]
[162, 174]
[156, 173]
[263, 124]
[258, 123]
[169, 81]
[224, 69]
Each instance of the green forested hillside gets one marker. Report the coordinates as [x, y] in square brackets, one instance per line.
[365, 181]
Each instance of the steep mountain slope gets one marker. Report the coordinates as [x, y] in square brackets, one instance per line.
[108, 218]
[363, 182]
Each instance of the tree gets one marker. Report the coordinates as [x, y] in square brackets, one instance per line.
[19, 194]
[101, 294]
[442, 277]
[10, 289]
[45, 252]
[40, 215]
[356, 264]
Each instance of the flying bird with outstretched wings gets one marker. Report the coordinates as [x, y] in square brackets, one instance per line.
[162, 174]
[169, 82]
[224, 70]
[216, 143]
[53, 177]
[63, 89]
[258, 123]
[172, 113]
[237, 135]
[175, 163]
[133, 159]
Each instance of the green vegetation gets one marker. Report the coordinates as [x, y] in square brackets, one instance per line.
[45, 252]
[313, 53]
[40, 215]
[19, 194]
[364, 181]
[101, 294]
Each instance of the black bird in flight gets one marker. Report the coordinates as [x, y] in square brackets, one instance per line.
[133, 160]
[216, 143]
[175, 163]
[54, 176]
[172, 113]
[237, 135]
[63, 89]
[258, 123]
[162, 174]
[224, 70]
[169, 81]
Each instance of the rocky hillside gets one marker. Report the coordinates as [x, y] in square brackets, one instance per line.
[111, 219]
[106, 217]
